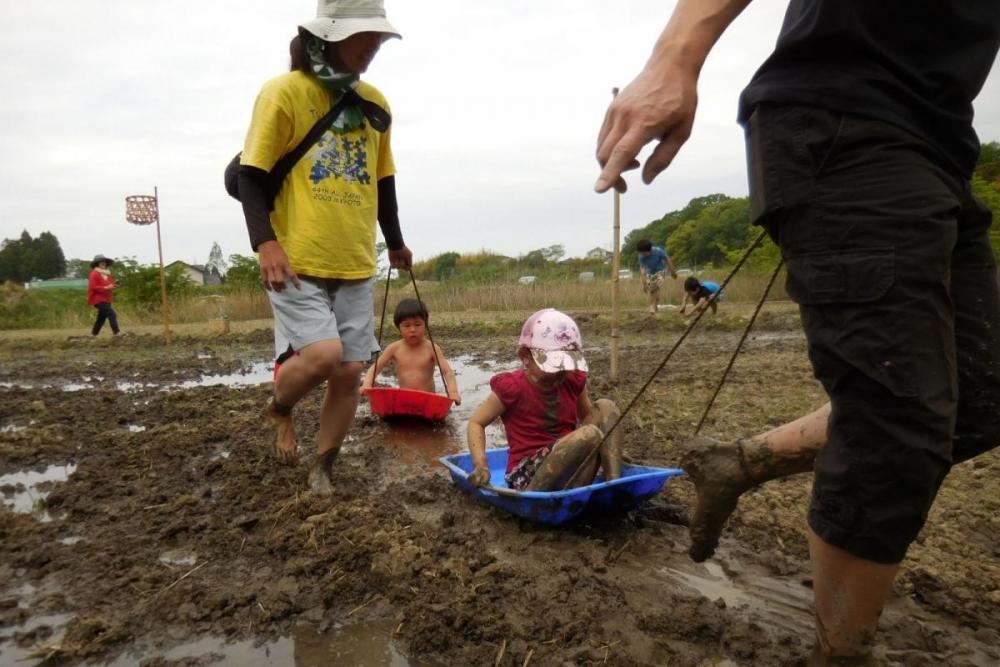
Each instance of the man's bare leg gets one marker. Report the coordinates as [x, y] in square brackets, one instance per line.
[849, 595]
[722, 471]
[297, 377]
[335, 418]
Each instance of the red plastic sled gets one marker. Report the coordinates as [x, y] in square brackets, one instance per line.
[396, 402]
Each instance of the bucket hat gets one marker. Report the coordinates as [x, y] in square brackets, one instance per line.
[98, 258]
[339, 19]
[554, 341]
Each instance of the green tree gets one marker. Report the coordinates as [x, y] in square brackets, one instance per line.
[717, 230]
[25, 258]
[244, 271]
[989, 193]
[553, 253]
[988, 164]
[986, 186]
[658, 231]
[50, 261]
[77, 268]
[445, 265]
[139, 285]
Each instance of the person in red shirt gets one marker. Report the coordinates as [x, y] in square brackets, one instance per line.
[555, 433]
[99, 287]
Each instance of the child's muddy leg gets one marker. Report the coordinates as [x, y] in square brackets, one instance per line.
[604, 416]
[280, 417]
[571, 462]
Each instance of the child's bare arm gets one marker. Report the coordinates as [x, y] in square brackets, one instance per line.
[450, 381]
[485, 414]
[383, 360]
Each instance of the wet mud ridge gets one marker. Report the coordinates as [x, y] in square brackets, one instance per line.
[144, 521]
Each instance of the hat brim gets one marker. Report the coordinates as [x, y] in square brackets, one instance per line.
[335, 30]
[97, 261]
[554, 361]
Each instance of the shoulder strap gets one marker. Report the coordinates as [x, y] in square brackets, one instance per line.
[277, 175]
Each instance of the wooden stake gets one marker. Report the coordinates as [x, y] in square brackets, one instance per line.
[163, 276]
[615, 262]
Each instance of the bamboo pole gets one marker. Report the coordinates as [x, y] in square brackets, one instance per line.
[163, 276]
[615, 262]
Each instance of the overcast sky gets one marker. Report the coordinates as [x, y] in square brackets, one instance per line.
[496, 106]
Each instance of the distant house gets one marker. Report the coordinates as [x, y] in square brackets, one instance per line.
[197, 273]
[599, 253]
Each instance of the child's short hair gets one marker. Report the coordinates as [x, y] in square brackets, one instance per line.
[643, 245]
[691, 284]
[409, 308]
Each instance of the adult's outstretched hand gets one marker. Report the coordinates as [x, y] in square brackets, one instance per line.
[658, 105]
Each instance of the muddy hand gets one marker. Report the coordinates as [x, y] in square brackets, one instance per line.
[480, 477]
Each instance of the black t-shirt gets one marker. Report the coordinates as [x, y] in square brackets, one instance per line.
[915, 63]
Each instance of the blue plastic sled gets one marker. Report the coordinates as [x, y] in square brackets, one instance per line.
[636, 484]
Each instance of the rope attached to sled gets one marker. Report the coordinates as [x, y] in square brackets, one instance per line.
[427, 324]
[711, 300]
[739, 346]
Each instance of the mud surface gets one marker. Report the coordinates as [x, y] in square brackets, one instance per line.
[144, 522]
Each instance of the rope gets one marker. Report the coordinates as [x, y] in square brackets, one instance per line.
[429, 336]
[712, 299]
[739, 346]
[385, 304]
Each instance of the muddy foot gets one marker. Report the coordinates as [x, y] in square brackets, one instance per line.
[319, 481]
[717, 472]
[280, 416]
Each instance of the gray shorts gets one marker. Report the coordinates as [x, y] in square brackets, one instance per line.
[326, 309]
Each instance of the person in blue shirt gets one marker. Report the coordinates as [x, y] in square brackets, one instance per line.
[653, 266]
[699, 294]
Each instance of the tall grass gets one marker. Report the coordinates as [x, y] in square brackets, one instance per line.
[569, 295]
[68, 309]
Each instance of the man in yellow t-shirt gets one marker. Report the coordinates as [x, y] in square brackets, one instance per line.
[316, 245]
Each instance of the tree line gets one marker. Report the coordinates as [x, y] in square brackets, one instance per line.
[710, 231]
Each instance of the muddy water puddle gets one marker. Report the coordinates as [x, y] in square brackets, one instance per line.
[782, 600]
[422, 442]
[361, 645]
[20, 492]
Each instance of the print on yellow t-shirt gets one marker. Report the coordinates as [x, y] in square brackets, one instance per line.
[325, 213]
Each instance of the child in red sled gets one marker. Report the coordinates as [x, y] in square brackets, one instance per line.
[555, 432]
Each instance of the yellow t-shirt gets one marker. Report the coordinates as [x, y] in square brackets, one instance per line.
[326, 211]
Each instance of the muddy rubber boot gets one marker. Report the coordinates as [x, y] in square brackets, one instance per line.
[319, 473]
[718, 471]
[279, 416]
